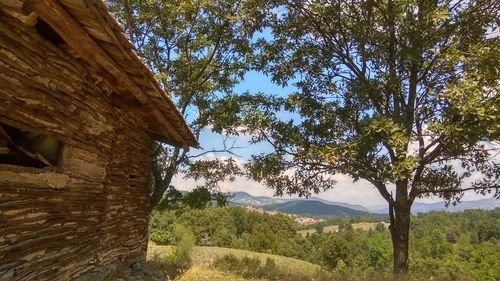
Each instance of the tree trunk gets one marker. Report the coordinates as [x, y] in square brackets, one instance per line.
[400, 229]
[160, 185]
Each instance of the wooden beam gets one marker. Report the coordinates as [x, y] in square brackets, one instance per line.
[53, 13]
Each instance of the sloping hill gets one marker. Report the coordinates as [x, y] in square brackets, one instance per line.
[203, 258]
[313, 208]
[342, 204]
[207, 255]
[203, 273]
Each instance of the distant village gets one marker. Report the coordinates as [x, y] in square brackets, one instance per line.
[300, 220]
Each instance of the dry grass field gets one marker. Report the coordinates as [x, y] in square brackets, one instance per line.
[335, 228]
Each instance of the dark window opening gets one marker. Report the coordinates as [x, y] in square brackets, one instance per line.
[29, 149]
[48, 32]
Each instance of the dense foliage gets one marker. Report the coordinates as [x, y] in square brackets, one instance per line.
[448, 246]
[400, 93]
[199, 50]
[232, 227]
[177, 259]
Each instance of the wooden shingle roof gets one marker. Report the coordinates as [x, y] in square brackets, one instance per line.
[91, 31]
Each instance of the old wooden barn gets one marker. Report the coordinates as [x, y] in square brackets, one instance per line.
[79, 111]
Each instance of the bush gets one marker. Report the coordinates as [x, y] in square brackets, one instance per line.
[333, 249]
[246, 267]
[223, 238]
[178, 259]
[161, 229]
[380, 256]
[380, 227]
[184, 243]
[252, 268]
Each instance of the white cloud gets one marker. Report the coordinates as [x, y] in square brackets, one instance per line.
[360, 192]
[239, 184]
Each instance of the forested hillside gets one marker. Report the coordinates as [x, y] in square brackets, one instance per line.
[444, 246]
[313, 208]
[243, 198]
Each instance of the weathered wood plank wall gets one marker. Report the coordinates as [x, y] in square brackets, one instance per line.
[91, 210]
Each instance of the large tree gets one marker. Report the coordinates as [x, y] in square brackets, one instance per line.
[400, 93]
[199, 50]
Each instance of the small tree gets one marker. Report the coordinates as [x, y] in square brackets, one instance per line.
[332, 250]
[319, 227]
[402, 94]
[380, 227]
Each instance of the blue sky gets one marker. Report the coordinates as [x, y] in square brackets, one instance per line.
[346, 190]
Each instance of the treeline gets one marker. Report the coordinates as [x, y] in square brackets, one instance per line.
[446, 246]
[346, 221]
[231, 227]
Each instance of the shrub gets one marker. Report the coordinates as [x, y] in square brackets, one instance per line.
[161, 227]
[333, 249]
[223, 238]
[228, 262]
[380, 256]
[380, 227]
[246, 267]
[252, 268]
[178, 259]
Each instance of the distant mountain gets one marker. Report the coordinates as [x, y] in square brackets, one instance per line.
[485, 204]
[313, 208]
[301, 205]
[342, 204]
[244, 198]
